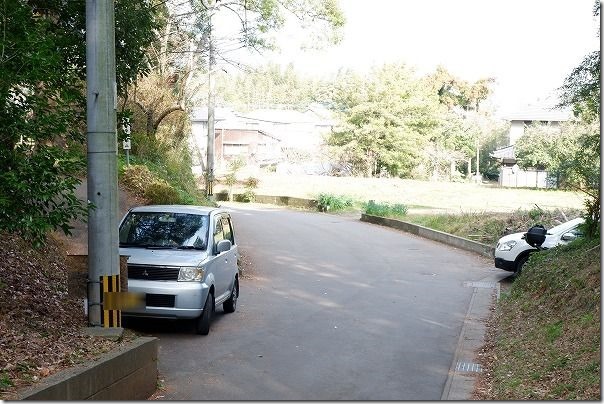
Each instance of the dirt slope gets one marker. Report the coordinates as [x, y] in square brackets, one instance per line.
[40, 323]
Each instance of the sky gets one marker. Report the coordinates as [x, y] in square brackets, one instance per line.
[528, 46]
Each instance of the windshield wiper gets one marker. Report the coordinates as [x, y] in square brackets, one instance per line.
[149, 246]
[190, 247]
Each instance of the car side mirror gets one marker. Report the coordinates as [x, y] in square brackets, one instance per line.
[223, 245]
[569, 236]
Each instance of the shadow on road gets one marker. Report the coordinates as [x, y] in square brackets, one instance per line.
[156, 327]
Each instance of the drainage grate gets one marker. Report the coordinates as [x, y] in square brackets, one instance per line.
[487, 285]
[468, 367]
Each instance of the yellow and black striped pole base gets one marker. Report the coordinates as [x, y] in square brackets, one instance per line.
[111, 316]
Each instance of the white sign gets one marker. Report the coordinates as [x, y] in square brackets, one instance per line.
[126, 144]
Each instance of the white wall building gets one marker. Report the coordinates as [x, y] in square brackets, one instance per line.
[510, 175]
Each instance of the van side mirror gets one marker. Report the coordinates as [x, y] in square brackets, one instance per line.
[223, 245]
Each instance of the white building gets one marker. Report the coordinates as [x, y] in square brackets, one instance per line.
[510, 175]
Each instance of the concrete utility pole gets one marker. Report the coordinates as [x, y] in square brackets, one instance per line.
[211, 102]
[101, 94]
[477, 160]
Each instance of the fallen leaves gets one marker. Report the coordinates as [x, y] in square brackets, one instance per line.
[40, 325]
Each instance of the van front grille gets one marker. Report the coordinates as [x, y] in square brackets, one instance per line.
[152, 273]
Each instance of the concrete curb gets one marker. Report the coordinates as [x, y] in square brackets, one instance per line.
[460, 380]
[128, 373]
[446, 238]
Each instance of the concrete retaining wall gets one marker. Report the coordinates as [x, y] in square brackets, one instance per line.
[449, 239]
[129, 373]
[273, 200]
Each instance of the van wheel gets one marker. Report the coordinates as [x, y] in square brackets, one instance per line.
[203, 322]
[230, 305]
[520, 265]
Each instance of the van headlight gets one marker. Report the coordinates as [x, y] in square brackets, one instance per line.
[190, 274]
[507, 246]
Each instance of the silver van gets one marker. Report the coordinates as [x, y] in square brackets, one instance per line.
[182, 261]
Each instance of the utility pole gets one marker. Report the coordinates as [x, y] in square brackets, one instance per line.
[478, 161]
[101, 95]
[211, 103]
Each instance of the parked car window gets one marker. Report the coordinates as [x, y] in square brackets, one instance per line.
[152, 229]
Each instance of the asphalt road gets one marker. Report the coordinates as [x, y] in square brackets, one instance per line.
[336, 309]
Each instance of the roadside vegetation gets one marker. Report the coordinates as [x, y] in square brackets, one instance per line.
[385, 209]
[163, 177]
[488, 227]
[544, 338]
[335, 203]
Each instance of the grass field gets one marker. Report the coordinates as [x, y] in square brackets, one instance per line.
[417, 195]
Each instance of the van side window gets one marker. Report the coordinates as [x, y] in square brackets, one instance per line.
[218, 231]
[228, 230]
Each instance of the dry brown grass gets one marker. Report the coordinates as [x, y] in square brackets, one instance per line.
[418, 195]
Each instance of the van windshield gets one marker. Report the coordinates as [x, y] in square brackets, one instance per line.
[164, 230]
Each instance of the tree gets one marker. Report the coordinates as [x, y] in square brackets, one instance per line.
[189, 47]
[387, 119]
[455, 92]
[550, 148]
[267, 86]
[42, 65]
[452, 141]
[468, 126]
[581, 91]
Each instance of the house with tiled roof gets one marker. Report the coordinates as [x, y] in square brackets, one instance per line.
[261, 137]
[510, 174]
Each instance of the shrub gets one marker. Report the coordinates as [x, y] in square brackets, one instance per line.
[329, 202]
[249, 195]
[162, 193]
[251, 183]
[147, 148]
[137, 178]
[385, 209]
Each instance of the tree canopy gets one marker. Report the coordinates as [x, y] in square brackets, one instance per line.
[42, 65]
[395, 123]
[189, 45]
[581, 91]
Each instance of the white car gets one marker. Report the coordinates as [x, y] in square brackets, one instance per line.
[512, 251]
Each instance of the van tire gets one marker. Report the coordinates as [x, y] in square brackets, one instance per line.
[230, 305]
[203, 322]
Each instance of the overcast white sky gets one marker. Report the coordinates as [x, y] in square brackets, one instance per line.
[528, 46]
